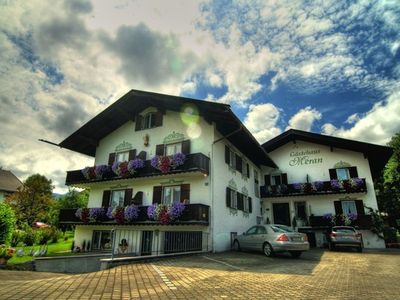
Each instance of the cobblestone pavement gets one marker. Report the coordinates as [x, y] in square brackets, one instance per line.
[317, 275]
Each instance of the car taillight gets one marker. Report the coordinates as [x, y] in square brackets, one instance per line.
[283, 238]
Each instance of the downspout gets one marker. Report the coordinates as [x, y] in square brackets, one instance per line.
[212, 180]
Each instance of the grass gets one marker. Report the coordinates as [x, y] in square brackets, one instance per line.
[62, 247]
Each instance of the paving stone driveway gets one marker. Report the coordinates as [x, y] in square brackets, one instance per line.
[317, 275]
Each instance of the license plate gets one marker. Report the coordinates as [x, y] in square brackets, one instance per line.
[297, 239]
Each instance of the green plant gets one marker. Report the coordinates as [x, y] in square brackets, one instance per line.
[377, 222]
[7, 223]
[18, 237]
[30, 236]
[6, 252]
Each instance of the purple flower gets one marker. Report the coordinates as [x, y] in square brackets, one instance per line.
[297, 187]
[151, 211]
[109, 213]
[101, 170]
[135, 164]
[327, 216]
[154, 162]
[176, 210]
[335, 184]
[87, 172]
[96, 214]
[114, 167]
[319, 185]
[178, 159]
[357, 182]
[131, 212]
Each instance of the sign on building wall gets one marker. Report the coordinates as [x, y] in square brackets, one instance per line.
[305, 157]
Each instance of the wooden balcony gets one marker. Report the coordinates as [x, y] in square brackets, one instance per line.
[362, 222]
[197, 214]
[313, 188]
[196, 162]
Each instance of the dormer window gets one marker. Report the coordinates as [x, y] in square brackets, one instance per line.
[149, 121]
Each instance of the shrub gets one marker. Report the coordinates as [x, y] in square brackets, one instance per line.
[18, 237]
[7, 223]
[30, 236]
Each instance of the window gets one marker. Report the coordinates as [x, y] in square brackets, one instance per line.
[261, 230]
[276, 180]
[171, 194]
[117, 198]
[349, 207]
[102, 240]
[233, 199]
[245, 203]
[256, 185]
[149, 121]
[172, 149]
[301, 210]
[342, 174]
[252, 230]
[122, 156]
[281, 228]
[232, 159]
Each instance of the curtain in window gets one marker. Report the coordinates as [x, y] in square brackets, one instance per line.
[349, 207]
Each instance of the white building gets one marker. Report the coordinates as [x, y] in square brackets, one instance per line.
[218, 181]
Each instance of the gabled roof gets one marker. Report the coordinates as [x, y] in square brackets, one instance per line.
[86, 138]
[8, 181]
[376, 154]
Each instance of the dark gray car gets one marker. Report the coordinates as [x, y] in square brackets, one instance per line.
[271, 239]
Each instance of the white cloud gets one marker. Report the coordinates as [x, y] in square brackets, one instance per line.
[304, 119]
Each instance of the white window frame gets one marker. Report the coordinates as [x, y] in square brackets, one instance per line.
[233, 199]
[353, 204]
[232, 158]
[176, 148]
[122, 156]
[256, 184]
[115, 193]
[172, 197]
[346, 170]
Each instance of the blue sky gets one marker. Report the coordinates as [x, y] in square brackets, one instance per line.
[329, 66]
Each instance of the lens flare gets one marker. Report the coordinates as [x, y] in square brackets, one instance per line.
[189, 114]
[193, 131]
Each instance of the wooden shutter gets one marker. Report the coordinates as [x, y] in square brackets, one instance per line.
[185, 193]
[138, 199]
[186, 147]
[138, 123]
[142, 155]
[250, 205]
[338, 208]
[160, 149]
[227, 160]
[267, 179]
[158, 118]
[128, 197]
[111, 159]
[240, 204]
[248, 170]
[360, 207]
[157, 193]
[284, 178]
[132, 154]
[239, 165]
[332, 174]
[106, 199]
[353, 172]
[228, 197]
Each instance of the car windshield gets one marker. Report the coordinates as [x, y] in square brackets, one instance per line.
[343, 229]
[281, 228]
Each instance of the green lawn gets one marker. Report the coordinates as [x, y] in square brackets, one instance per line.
[62, 247]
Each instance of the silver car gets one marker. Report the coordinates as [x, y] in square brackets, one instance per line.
[271, 239]
[345, 236]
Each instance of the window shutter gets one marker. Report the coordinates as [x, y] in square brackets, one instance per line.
[157, 192]
[160, 149]
[185, 193]
[111, 159]
[132, 154]
[240, 204]
[284, 178]
[332, 174]
[186, 147]
[138, 199]
[142, 155]
[267, 179]
[106, 199]
[239, 163]
[228, 197]
[158, 118]
[353, 172]
[250, 205]
[138, 123]
[338, 208]
[248, 170]
[227, 154]
[360, 207]
[128, 197]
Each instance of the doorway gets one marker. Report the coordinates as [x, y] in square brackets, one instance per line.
[281, 213]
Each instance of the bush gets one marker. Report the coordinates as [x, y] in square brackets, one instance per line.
[18, 237]
[30, 236]
[7, 223]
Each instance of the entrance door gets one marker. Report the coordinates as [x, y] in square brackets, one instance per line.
[281, 213]
[147, 242]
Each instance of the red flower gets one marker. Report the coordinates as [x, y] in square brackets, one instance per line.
[165, 164]
[119, 215]
[164, 217]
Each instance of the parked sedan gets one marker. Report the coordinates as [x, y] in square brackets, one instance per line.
[345, 236]
[271, 239]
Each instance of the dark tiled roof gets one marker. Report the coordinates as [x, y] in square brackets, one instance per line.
[8, 181]
[86, 138]
[376, 154]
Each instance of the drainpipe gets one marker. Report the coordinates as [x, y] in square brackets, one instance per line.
[212, 181]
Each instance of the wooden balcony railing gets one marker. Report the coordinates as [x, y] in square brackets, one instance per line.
[192, 214]
[362, 222]
[355, 185]
[194, 162]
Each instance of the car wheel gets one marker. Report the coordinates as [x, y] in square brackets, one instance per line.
[267, 249]
[236, 246]
[331, 246]
[295, 254]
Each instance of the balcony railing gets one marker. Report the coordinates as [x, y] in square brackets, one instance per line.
[354, 185]
[196, 162]
[362, 222]
[192, 214]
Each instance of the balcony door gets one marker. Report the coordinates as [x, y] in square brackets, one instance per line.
[281, 213]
